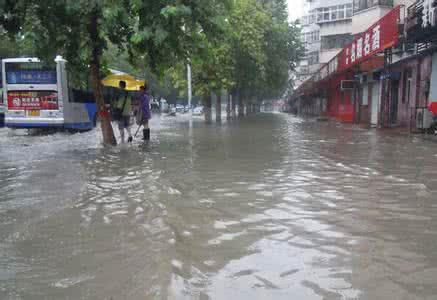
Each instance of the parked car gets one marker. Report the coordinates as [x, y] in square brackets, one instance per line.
[197, 111]
[180, 108]
[172, 111]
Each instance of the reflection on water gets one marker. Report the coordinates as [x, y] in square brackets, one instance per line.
[271, 207]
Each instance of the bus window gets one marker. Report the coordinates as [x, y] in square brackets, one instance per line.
[30, 73]
[81, 96]
[78, 91]
[1, 88]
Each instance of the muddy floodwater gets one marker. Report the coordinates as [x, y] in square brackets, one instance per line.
[269, 207]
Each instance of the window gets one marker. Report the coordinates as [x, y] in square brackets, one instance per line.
[30, 73]
[312, 18]
[334, 13]
[341, 11]
[335, 41]
[311, 37]
[319, 16]
[349, 13]
[313, 58]
[326, 14]
[78, 91]
[365, 4]
[78, 96]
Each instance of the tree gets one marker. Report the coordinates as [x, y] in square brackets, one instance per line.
[249, 20]
[79, 30]
[252, 56]
[209, 56]
[283, 49]
[152, 32]
[277, 64]
[166, 30]
[211, 71]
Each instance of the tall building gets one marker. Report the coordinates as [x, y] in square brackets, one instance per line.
[367, 12]
[386, 77]
[326, 28]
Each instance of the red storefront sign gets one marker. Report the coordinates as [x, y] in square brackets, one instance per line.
[35, 100]
[433, 108]
[380, 36]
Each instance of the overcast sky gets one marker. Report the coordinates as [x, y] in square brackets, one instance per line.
[295, 8]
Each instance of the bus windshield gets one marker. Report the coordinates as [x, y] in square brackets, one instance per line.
[30, 73]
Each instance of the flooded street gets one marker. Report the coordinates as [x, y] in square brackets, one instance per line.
[270, 207]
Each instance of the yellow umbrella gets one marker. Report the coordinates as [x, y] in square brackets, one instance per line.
[132, 84]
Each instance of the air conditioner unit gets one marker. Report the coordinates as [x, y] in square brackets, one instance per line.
[424, 119]
[348, 84]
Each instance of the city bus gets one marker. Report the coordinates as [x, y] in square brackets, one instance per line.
[38, 95]
[2, 112]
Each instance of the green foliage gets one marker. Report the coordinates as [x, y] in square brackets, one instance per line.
[249, 20]
[52, 27]
[164, 32]
[278, 49]
[254, 51]
[243, 44]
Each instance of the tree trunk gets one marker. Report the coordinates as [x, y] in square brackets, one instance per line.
[104, 115]
[248, 108]
[241, 106]
[207, 107]
[218, 107]
[234, 106]
[228, 106]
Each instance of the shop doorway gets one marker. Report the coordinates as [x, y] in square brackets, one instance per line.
[375, 104]
[394, 102]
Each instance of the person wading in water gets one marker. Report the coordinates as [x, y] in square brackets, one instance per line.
[123, 112]
[142, 112]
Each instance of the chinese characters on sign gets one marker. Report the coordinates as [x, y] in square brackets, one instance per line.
[382, 35]
[32, 100]
[31, 77]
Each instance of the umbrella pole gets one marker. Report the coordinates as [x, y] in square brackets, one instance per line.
[138, 130]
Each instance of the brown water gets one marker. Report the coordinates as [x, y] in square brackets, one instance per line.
[273, 207]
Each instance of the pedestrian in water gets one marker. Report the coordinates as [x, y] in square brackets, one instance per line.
[143, 114]
[124, 106]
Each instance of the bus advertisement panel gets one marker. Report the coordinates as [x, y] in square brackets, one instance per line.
[37, 94]
[31, 77]
[33, 100]
[2, 110]
[30, 73]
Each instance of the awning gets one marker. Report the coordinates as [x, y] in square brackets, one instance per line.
[132, 84]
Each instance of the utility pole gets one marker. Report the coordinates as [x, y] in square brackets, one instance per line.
[190, 89]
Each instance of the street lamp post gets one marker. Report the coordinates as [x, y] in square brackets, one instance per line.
[190, 90]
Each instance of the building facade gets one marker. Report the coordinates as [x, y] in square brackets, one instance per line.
[326, 28]
[387, 76]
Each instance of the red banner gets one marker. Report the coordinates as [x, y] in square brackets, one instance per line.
[380, 36]
[35, 100]
[433, 108]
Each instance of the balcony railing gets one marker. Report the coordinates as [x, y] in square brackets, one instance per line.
[421, 23]
[360, 5]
